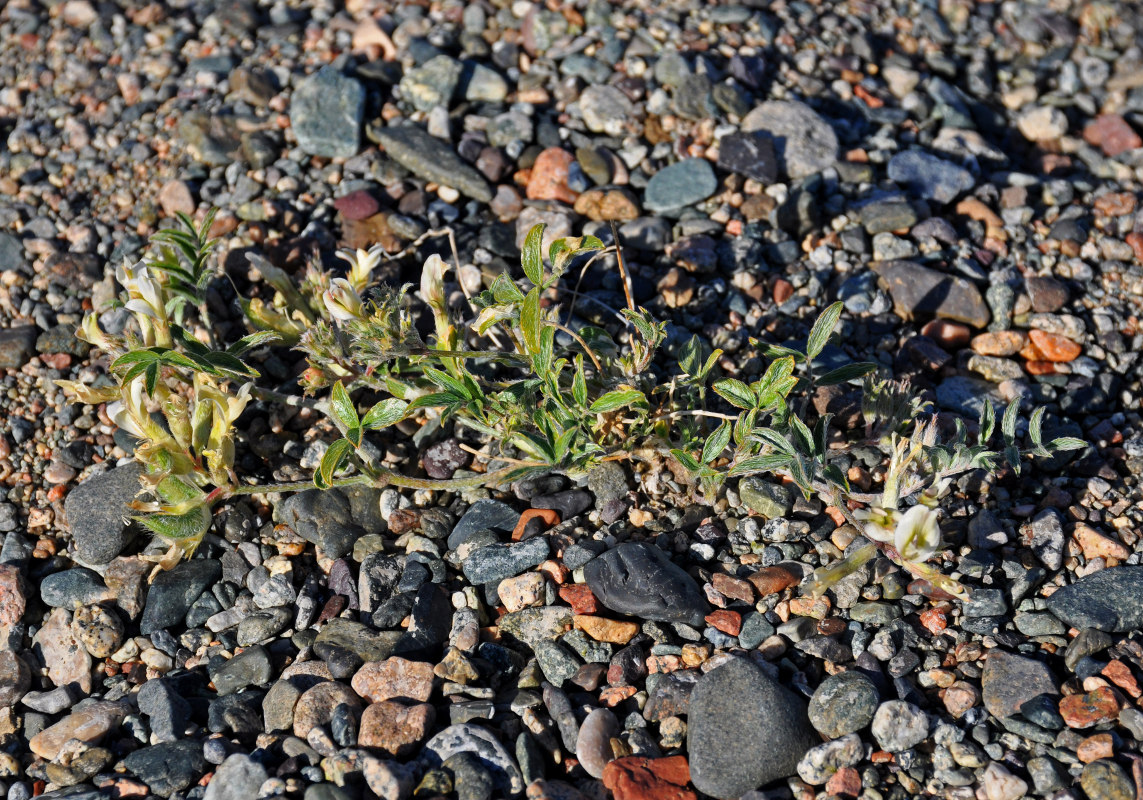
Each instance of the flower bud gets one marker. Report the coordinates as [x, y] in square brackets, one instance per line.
[342, 301]
[432, 281]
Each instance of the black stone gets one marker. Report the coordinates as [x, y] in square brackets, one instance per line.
[172, 593]
[639, 579]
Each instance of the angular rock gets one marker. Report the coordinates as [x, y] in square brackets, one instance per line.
[468, 738]
[432, 159]
[930, 177]
[804, 141]
[1009, 681]
[96, 510]
[90, 724]
[638, 578]
[173, 592]
[918, 290]
[326, 112]
[1108, 600]
[239, 777]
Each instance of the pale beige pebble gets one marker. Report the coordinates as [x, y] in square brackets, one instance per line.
[99, 630]
[175, 196]
[13, 596]
[79, 13]
[89, 724]
[394, 677]
[395, 728]
[315, 706]
[66, 658]
[1000, 784]
[1097, 545]
[129, 86]
[522, 591]
[315, 669]
[1042, 123]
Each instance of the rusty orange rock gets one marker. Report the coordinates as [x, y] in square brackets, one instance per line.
[1086, 710]
[605, 630]
[729, 622]
[999, 343]
[641, 778]
[1044, 346]
[734, 588]
[549, 176]
[771, 580]
[580, 598]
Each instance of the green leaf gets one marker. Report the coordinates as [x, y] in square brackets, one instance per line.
[804, 435]
[448, 382]
[547, 351]
[531, 257]
[617, 399]
[579, 383]
[228, 363]
[435, 400]
[354, 436]
[253, 340]
[987, 421]
[1034, 423]
[388, 412]
[753, 464]
[135, 357]
[504, 291]
[332, 460]
[564, 250]
[820, 333]
[690, 357]
[687, 460]
[1008, 424]
[736, 393]
[778, 351]
[716, 443]
[774, 439]
[1067, 443]
[186, 528]
[341, 407]
[530, 320]
[152, 377]
[846, 374]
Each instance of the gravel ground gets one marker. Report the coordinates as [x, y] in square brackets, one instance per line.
[964, 176]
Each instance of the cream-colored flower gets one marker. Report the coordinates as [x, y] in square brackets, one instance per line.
[918, 534]
[145, 295]
[877, 523]
[432, 281]
[361, 265]
[342, 300]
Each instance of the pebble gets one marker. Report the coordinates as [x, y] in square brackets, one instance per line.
[173, 592]
[1104, 600]
[67, 660]
[15, 679]
[326, 110]
[641, 778]
[682, 184]
[820, 763]
[744, 730]
[431, 159]
[167, 767]
[929, 177]
[1009, 681]
[468, 738]
[395, 728]
[95, 510]
[918, 290]
[1106, 780]
[593, 745]
[843, 703]
[89, 724]
[898, 725]
[394, 678]
[638, 579]
[239, 777]
[805, 142]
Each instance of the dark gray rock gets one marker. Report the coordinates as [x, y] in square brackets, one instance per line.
[749, 154]
[324, 518]
[930, 177]
[71, 586]
[96, 510]
[639, 579]
[483, 515]
[680, 185]
[1009, 681]
[168, 767]
[173, 592]
[17, 345]
[431, 159]
[1109, 600]
[499, 561]
[326, 112]
[744, 730]
[167, 711]
[920, 291]
[1048, 540]
[251, 667]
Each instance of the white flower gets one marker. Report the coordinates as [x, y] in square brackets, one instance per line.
[144, 292]
[342, 300]
[361, 265]
[918, 534]
[432, 281]
[878, 523]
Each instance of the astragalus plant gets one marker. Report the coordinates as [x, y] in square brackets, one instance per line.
[536, 391]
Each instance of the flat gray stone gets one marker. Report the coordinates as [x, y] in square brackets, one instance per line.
[920, 291]
[326, 112]
[432, 159]
[638, 578]
[96, 511]
[804, 142]
[1109, 600]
